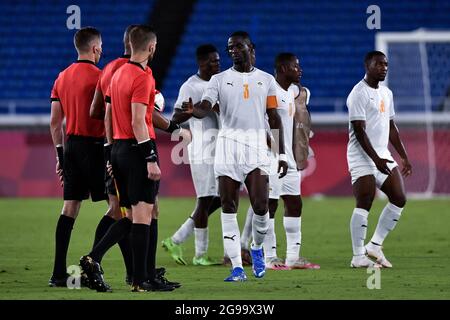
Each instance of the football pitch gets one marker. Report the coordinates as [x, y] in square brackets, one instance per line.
[419, 249]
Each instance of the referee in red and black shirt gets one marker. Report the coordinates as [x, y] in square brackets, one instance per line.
[134, 156]
[97, 111]
[80, 164]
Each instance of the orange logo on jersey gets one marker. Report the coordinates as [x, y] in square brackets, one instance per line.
[382, 106]
[246, 91]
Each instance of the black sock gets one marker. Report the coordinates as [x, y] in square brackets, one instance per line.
[102, 228]
[152, 245]
[62, 239]
[139, 243]
[125, 248]
[115, 233]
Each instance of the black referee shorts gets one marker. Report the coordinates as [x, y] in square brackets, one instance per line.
[130, 172]
[84, 169]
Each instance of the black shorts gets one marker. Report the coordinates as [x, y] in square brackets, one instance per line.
[130, 173]
[84, 169]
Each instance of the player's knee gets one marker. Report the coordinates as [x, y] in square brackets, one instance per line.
[260, 208]
[229, 206]
[365, 201]
[399, 201]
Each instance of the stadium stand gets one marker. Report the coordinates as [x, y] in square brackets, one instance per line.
[331, 46]
[38, 45]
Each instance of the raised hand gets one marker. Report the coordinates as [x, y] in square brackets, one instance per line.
[187, 106]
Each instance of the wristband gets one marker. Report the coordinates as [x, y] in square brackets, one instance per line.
[107, 147]
[282, 157]
[172, 127]
[148, 151]
[60, 153]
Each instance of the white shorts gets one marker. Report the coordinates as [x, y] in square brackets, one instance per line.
[236, 160]
[205, 182]
[366, 170]
[288, 185]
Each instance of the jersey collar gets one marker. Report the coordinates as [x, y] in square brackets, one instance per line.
[136, 64]
[85, 61]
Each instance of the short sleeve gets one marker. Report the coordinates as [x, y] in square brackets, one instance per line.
[108, 94]
[183, 95]
[54, 94]
[211, 93]
[356, 104]
[271, 102]
[98, 87]
[142, 89]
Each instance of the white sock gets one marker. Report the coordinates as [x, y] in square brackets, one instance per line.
[231, 238]
[386, 223]
[270, 241]
[293, 238]
[247, 230]
[260, 225]
[358, 230]
[201, 241]
[184, 232]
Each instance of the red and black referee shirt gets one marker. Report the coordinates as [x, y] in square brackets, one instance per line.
[74, 89]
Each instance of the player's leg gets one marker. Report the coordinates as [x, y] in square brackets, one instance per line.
[246, 237]
[229, 196]
[258, 190]
[63, 233]
[394, 189]
[200, 218]
[270, 241]
[364, 192]
[75, 190]
[101, 181]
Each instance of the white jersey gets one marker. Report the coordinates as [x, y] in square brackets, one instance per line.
[286, 111]
[376, 108]
[204, 131]
[244, 98]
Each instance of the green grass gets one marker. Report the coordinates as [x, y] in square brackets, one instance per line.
[419, 248]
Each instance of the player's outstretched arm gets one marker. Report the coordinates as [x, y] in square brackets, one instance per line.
[394, 139]
[359, 126]
[97, 109]
[179, 116]
[276, 124]
[200, 110]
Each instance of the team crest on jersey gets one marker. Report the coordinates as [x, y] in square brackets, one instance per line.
[382, 109]
[260, 83]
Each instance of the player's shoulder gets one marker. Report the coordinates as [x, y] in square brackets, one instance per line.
[386, 89]
[264, 75]
[359, 89]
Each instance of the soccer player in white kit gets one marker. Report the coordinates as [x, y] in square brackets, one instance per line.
[372, 127]
[245, 95]
[201, 152]
[288, 73]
